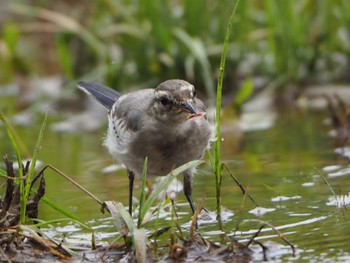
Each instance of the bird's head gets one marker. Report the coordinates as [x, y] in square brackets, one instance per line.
[175, 101]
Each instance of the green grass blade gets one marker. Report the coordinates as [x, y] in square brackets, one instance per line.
[143, 189]
[31, 174]
[3, 173]
[13, 142]
[244, 92]
[121, 217]
[65, 57]
[11, 36]
[198, 51]
[164, 185]
[217, 144]
[73, 182]
[58, 208]
[20, 166]
[62, 21]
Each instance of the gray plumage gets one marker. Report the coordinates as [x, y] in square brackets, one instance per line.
[165, 124]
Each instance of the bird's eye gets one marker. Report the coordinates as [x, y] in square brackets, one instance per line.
[194, 93]
[164, 101]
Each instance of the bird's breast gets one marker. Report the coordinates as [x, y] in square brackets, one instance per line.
[168, 147]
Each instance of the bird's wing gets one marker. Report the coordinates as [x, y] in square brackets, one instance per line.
[106, 96]
[134, 108]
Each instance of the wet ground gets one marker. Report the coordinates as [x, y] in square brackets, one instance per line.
[290, 166]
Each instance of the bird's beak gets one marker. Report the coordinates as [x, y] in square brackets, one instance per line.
[188, 106]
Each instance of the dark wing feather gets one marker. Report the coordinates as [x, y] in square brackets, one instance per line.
[106, 96]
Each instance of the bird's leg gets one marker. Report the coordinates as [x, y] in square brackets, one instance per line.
[131, 176]
[188, 189]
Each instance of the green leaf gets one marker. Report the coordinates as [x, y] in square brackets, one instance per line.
[3, 173]
[11, 36]
[58, 208]
[217, 144]
[143, 189]
[244, 92]
[121, 217]
[164, 185]
[31, 175]
[20, 166]
[65, 57]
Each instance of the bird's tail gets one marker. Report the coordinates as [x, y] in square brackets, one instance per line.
[104, 95]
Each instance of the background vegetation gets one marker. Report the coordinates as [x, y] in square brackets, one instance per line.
[141, 43]
[137, 44]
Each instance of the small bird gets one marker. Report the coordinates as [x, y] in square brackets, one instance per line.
[166, 124]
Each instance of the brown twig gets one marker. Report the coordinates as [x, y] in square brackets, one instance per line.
[9, 188]
[48, 244]
[255, 235]
[263, 247]
[194, 224]
[244, 191]
[280, 234]
[176, 221]
[72, 182]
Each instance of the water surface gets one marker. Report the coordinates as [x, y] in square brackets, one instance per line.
[283, 169]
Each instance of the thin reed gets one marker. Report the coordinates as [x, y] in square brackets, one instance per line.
[217, 145]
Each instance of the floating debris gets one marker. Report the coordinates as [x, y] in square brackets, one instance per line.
[260, 211]
[308, 184]
[339, 200]
[285, 198]
[331, 168]
[342, 172]
[113, 168]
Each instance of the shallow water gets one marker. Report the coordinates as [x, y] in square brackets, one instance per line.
[283, 169]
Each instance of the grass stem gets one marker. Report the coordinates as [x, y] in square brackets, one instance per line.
[217, 145]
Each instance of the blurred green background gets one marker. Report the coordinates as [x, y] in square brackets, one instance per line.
[135, 43]
[289, 45]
